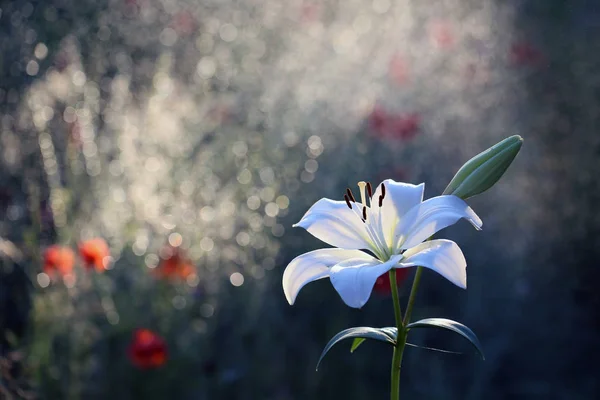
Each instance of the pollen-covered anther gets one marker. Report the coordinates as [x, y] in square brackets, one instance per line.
[382, 195]
[348, 201]
[364, 213]
[350, 195]
[369, 190]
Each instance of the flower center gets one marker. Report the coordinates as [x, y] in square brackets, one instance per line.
[366, 191]
[362, 185]
[374, 223]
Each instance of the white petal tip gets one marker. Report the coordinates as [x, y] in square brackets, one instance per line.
[301, 224]
[476, 222]
[291, 299]
[356, 306]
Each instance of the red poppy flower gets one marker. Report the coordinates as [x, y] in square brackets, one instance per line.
[394, 126]
[378, 121]
[184, 23]
[309, 12]
[174, 264]
[441, 34]
[382, 285]
[405, 126]
[58, 260]
[523, 53]
[95, 253]
[147, 349]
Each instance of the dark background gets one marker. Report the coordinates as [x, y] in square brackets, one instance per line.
[133, 120]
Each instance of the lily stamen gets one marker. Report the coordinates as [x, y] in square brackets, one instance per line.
[350, 195]
[369, 190]
[362, 185]
[382, 195]
[364, 213]
[348, 201]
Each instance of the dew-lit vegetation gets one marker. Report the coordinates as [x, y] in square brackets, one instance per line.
[154, 155]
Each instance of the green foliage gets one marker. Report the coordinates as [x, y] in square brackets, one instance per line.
[450, 325]
[387, 335]
[355, 343]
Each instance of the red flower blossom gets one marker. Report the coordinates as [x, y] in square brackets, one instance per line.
[58, 260]
[395, 126]
[309, 12]
[398, 70]
[382, 285]
[441, 34]
[147, 349]
[184, 23]
[174, 264]
[523, 53]
[95, 253]
[405, 126]
[378, 120]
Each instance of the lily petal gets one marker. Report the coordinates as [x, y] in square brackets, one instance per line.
[434, 214]
[336, 224]
[354, 279]
[399, 199]
[315, 265]
[442, 256]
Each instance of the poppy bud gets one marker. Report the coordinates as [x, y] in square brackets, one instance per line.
[485, 169]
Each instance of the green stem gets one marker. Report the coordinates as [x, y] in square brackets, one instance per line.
[413, 295]
[395, 297]
[400, 324]
[399, 347]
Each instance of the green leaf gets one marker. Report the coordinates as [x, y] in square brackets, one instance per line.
[450, 325]
[432, 349]
[391, 331]
[386, 335]
[355, 343]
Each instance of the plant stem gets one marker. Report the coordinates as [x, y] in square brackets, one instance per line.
[413, 295]
[395, 297]
[400, 341]
[400, 324]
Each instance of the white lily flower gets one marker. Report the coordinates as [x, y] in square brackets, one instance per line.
[392, 228]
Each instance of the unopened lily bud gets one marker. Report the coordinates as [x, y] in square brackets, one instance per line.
[485, 169]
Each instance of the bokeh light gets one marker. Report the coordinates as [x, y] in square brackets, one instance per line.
[189, 136]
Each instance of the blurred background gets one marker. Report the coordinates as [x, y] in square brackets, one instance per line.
[155, 153]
